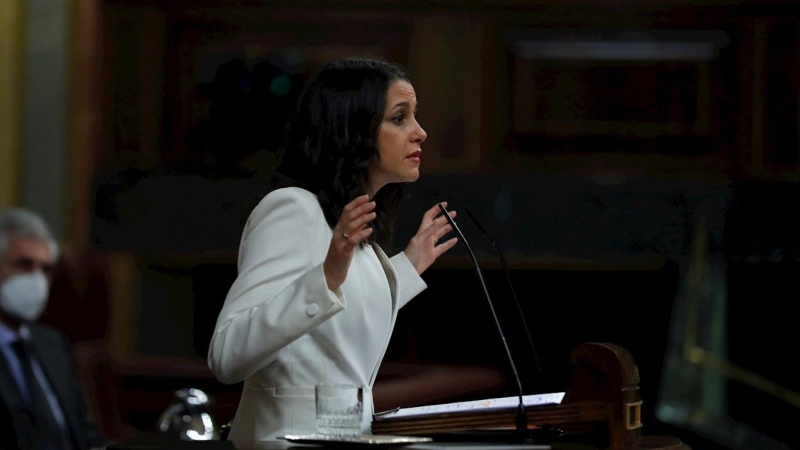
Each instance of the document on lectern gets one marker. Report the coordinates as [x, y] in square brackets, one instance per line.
[474, 405]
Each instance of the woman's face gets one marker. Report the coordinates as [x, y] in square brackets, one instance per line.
[399, 139]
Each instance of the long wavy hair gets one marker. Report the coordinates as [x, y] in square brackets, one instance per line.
[332, 140]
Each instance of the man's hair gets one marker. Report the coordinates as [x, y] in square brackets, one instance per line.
[331, 142]
[25, 223]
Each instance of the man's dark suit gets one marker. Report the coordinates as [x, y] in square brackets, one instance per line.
[16, 427]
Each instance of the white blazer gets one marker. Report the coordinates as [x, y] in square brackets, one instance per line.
[281, 329]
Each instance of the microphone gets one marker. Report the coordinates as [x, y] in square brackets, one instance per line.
[513, 293]
[522, 418]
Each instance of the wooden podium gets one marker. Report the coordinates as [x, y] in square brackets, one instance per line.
[601, 406]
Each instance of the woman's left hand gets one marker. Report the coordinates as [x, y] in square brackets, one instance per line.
[424, 247]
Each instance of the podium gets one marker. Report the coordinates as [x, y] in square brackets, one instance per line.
[601, 407]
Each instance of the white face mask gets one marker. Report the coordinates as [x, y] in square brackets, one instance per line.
[24, 296]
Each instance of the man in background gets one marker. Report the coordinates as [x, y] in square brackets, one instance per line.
[42, 406]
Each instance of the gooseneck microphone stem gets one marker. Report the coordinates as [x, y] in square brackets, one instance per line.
[513, 292]
[521, 418]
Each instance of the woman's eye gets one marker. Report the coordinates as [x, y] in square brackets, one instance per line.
[398, 118]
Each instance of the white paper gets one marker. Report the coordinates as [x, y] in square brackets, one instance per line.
[487, 404]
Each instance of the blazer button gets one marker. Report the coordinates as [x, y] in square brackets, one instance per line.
[312, 309]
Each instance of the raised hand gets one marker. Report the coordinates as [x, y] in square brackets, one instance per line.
[424, 247]
[347, 234]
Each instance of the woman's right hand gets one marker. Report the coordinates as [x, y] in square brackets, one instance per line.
[347, 234]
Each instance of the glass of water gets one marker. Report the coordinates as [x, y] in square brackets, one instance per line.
[339, 409]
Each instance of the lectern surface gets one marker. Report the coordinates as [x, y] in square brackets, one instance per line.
[284, 445]
[156, 443]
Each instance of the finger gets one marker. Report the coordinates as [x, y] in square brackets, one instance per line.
[442, 231]
[431, 214]
[361, 235]
[437, 209]
[358, 211]
[445, 246]
[430, 231]
[433, 230]
[355, 219]
[442, 221]
[444, 226]
[353, 238]
[358, 201]
[360, 221]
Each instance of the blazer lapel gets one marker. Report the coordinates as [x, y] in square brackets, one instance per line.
[391, 275]
[9, 391]
[21, 424]
[56, 366]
